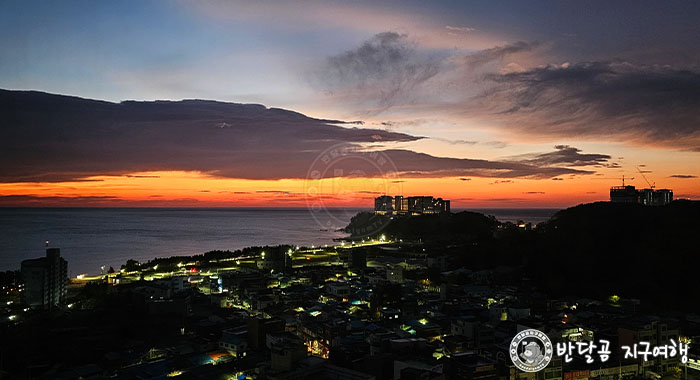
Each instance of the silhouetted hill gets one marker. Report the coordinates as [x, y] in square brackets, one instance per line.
[591, 250]
[454, 227]
[604, 248]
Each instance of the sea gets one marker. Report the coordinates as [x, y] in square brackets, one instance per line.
[90, 238]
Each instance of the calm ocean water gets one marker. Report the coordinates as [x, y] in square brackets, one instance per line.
[90, 238]
[532, 215]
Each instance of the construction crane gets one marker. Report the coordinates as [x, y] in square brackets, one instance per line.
[651, 186]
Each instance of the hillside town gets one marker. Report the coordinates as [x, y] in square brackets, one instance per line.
[381, 308]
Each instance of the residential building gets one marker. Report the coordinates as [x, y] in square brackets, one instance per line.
[45, 280]
[418, 205]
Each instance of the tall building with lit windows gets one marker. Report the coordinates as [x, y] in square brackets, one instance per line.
[45, 280]
[648, 197]
[384, 205]
[418, 205]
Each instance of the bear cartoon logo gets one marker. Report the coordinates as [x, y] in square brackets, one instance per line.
[532, 353]
[531, 350]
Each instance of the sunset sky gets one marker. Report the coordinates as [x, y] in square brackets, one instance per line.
[489, 104]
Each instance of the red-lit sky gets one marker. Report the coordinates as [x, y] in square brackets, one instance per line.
[515, 104]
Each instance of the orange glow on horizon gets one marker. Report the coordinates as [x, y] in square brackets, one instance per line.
[194, 189]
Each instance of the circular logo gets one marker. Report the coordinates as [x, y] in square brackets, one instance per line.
[343, 177]
[531, 350]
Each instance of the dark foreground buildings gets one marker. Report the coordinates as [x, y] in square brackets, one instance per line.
[45, 280]
[649, 197]
[381, 309]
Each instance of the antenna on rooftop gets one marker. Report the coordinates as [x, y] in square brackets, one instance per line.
[623, 179]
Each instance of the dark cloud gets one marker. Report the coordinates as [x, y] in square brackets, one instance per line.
[13, 200]
[389, 69]
[622, 101]
[564, 155]
[456, 142]
[496, 144]
[465, 179]
[647, 104]
[276, 192]
[413, 164]
[383, 68]
[505, 199]
[498, 53]
[683, 176]
[533, 192]
[48, 137]
[557, 179]
[32, 200]
[459, 30]
[610, 165]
